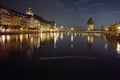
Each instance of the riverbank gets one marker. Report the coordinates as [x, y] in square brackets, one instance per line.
[115, 36]
[34, 32]
[6, 33]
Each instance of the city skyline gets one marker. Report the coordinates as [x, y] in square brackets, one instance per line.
[74, 12]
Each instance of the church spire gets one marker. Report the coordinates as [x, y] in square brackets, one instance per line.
[29, 11]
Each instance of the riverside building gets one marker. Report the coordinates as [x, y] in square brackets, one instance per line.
[13, 21]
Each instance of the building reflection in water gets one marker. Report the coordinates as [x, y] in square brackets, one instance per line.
[72, 39]
[118, 48]
[90, 40]
[114, 44]
[26, 44]
[56, 35]
[61, 36]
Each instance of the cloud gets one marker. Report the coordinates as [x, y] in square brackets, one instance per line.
[83, 9]
[98, 4]
[77, 3]
[83, 1]
[80, 2]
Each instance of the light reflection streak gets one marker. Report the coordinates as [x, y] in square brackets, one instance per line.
[23, 43]
[55, 41]
[21, 38]
[56, 35]
[106, 46]
[75, 34]
[3, 38]
[8, 37]
[90, 40]
[67, 57]
[26, 43]
[72, 38]
[61, 36]
[31, 39]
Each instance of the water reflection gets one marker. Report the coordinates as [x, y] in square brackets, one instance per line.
[90, 40]
[66, 57]
[25, 45]
[114, 44]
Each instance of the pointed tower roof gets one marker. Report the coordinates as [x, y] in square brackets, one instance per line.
[90, 21]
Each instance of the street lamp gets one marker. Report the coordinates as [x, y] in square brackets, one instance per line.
[118, 28]
[72, 29]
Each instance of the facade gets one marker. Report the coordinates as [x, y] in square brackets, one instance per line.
[5, 17]
[90, 24]
[29, 12]
[114, 27]
[16, 21]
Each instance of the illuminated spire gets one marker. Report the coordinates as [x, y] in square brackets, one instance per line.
[29, 11]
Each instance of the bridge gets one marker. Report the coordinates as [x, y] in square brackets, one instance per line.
[84, 31]
[97, 31]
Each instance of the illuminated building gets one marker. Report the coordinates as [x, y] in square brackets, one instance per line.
[114, 27]
[19, 20]
[15, 21]
[31, 18]
[29, 11]
[5, 18]
[90, 24]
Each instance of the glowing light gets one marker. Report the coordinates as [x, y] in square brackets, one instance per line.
[72, 38]
[21, 38]
[72, 29]
[8, 30]
[3, 38]
[118, 27]
[90, 39]
[55, 41]
[106, 29]
[3, 30]
[118, 48]
[56, 35]
[61, 27]
[61, 36]
[8, 37]
[31, 39]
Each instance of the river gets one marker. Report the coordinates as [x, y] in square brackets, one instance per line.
[60, 55]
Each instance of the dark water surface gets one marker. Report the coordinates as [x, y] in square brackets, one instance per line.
[59, 56]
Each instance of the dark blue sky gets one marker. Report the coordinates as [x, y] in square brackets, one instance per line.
[71, 12]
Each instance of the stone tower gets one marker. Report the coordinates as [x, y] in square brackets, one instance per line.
[31, 20]
[90, 24]
[29, 11]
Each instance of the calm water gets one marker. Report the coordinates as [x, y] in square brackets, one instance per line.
[59, 55]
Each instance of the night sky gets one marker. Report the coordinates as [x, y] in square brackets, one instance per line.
[71, 12]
